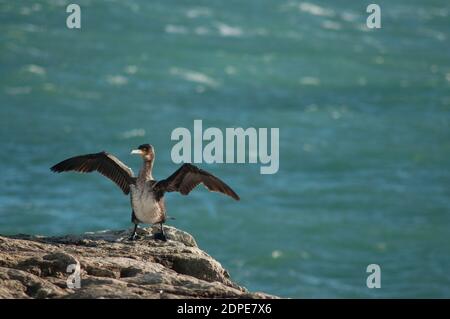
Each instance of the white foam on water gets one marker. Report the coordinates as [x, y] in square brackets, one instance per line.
[193, 76]
[131, 69]
[315, 9]
[35, 69]
[117, 80]
[277, 254]
[228, 31]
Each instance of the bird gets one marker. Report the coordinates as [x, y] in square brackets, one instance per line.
[146, 193]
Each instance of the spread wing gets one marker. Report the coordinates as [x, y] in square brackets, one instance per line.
[104, 163]
[188, 176]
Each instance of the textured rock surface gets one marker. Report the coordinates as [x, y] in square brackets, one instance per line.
[113, 267]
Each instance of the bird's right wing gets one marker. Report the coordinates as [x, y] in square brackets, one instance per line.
[104, 163]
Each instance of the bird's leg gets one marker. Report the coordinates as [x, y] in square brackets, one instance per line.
[134, 235]
[161, 235]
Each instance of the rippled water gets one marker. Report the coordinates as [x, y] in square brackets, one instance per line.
[363, 116]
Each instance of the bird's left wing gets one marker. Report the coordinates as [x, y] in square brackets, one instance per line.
[188, 176]
[104, 163]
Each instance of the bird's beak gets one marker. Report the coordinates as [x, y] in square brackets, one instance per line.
[136, 152]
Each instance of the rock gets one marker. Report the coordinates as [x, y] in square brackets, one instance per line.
[110, 266]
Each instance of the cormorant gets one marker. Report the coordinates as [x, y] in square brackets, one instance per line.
[146, 193]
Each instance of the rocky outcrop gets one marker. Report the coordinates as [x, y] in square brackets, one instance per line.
[110, 266]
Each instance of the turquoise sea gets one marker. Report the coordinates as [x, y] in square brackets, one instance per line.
[364, 119]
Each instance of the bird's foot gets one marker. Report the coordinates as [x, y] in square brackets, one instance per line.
[160, 236]
[134, 237]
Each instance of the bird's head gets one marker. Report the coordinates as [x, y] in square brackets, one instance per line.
[146, 151]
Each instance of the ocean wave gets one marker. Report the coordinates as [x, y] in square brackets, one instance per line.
[35, 69]
[315, 9]
[131, 69]
[228, 31]
[193, 76]
[117, 80]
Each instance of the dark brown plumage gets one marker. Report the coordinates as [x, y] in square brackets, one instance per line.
[104, 163]
[188, 176]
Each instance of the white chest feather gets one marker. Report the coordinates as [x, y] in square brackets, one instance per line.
[146, 208]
